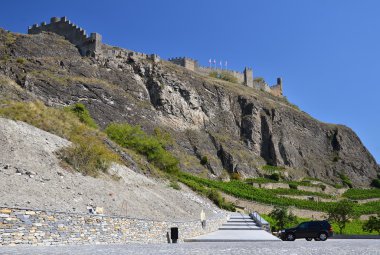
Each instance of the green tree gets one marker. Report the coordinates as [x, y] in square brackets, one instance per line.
[372, 224]
[341, 213]
[282, 217]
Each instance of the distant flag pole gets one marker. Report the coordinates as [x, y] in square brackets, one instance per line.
[209, 62]
[221, 65]
[215, 63]
[225, 64]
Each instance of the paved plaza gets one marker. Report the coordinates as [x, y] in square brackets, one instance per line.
[299, 247]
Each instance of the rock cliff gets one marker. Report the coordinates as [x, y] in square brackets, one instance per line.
[238, 129]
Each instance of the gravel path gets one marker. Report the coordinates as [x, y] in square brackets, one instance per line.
[299, 247]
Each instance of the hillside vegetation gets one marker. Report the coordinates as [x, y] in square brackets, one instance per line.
[271, 196]
[88, 154]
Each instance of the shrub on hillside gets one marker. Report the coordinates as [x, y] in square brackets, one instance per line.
[163, 137]
[174, 184]
[235, 176]
[88, 155]
[83, 114]
[274, 176]
[21, 61]
[376, 183]
[217, 198]
[204, 160]
[346, 180]
[134, 138]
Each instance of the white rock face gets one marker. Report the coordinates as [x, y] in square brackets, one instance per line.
[31, 176]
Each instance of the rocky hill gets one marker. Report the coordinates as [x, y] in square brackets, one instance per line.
[31, 176]
[238, 129]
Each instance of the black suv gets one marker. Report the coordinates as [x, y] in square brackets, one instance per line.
[319, 230]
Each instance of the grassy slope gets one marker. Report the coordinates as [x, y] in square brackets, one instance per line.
[88, 154]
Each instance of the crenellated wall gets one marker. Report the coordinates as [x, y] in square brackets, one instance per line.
[244, 78]
[207, 70]
[76, 35]
[188, 63]
[36, 227]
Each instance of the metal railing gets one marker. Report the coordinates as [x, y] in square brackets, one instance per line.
[261, 222]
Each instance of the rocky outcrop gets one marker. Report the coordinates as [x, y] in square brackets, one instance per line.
[237, 128]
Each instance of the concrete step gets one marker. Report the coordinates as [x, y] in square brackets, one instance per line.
[240, 219]
[239, 224]
[248, 221]
[239, 228]
[239, 215]
[247, 217]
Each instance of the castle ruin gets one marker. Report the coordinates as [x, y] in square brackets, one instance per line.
[245, 78]
[93, 46]
[87, 46]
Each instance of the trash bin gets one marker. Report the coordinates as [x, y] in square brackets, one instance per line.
[174, 234]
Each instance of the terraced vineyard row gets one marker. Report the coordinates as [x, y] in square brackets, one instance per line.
[362, 193]
[246, 191]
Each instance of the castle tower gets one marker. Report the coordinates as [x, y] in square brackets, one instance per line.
[277, 89]
[248, 77]
[188, 63]
[96, 42]
[87, 46]
[279, 81]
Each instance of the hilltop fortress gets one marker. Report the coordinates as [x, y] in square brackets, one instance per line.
[245, 78]
[93, 46]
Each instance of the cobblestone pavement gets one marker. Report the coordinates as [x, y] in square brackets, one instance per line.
[299, 247]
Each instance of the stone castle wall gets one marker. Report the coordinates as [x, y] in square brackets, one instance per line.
[207, 70]
[188, 63]
[276, 90]
[76, 35]
[92, 46]
[244, 78]
[36, 227]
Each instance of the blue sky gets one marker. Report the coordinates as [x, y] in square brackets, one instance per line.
[326, 51]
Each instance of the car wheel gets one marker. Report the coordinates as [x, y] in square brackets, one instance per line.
[322, 236]
[290, 237]
[308, 238]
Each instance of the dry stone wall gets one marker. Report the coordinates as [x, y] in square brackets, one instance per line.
[36, 227]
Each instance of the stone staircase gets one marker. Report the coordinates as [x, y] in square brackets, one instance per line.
[240, 222]
[238, 228]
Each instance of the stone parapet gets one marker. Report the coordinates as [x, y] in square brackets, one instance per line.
[38, 227]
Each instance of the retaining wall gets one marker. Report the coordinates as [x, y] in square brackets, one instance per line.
[37, 227]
